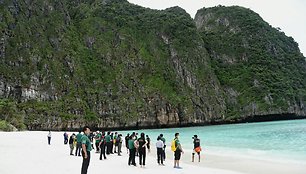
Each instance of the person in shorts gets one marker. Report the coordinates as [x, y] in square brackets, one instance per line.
[177, 152]
[196, 147]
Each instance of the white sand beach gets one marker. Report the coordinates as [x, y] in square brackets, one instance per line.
[29, 153]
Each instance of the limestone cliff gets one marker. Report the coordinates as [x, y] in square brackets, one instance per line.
[261, 70]
[112, 64]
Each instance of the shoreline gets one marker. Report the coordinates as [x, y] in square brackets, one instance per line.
[249, 119]
[240, 164]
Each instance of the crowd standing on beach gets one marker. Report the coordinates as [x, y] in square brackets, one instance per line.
[109, 143]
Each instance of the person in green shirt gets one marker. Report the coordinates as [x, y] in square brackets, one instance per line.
[177, 152]
[98, 139]
[115, 142]
[86, 148]
[132, 150]
[108, 140]
[79, 144]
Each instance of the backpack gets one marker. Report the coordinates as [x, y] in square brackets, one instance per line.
[173, 147]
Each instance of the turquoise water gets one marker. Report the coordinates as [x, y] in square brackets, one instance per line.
[282, 140]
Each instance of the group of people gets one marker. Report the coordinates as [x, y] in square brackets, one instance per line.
[111, 143]
[137, 147]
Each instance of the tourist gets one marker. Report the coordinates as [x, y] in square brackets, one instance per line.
[119, 141]
[97, 141]
[164, 149]
[142, 143]
[148, 142]
[65, 138]
[177, 151]
[86, 148]
[49, 138]
[135, 138]
[115, 142]
[71, 145]
[102, 146]
[91, 137]
[112, 143]
[108, 143]
[132, 150]
[79, 144]
[126, 142]
[196, 147]
[160, 147]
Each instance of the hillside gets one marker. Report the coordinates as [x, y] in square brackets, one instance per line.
[112, 64]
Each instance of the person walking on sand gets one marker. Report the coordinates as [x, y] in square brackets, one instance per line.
[148, 142]
[196, 147]
[159, 147]
[132, 150]
[49, 138]
[71, 145]
[79, 144]
[177, 151]
[142, 143]
[86, 148]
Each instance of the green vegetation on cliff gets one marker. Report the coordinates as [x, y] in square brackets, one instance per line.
[109, 63]
[258, 65]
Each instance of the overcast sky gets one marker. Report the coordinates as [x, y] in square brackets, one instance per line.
[289, 15]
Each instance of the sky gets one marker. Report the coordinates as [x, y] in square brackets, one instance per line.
[288, 15]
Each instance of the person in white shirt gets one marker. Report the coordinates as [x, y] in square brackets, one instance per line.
[49, 137]
[160, 146]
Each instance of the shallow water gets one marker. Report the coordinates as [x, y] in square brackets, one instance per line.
[281, 140]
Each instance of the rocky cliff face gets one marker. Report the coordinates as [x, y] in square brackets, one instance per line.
[111, 64]
[261, 70]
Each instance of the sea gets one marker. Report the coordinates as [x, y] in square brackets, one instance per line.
[276, 140]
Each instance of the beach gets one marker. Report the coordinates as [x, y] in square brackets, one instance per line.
[247, 165]
[28, 152]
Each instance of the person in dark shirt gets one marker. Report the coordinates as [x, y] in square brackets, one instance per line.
[49, 138]
[91, 137]
[71, 140]
[119, 142]
[148, 142]
[126, 143]
[112, 143]
[142, 143]
[102, 146]
[196, 147]
[164, 149]
[65, 138]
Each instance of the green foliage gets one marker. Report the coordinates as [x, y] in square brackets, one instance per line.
[9, 114]
[112, 56]
[4, 126]
[253, 58]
